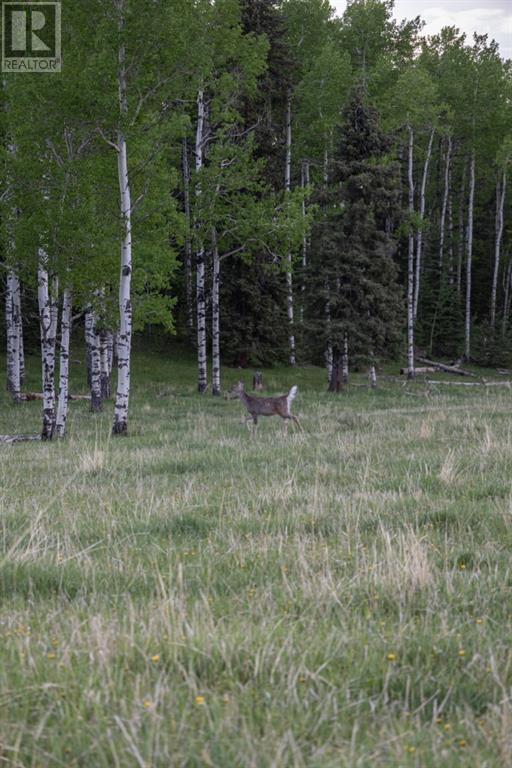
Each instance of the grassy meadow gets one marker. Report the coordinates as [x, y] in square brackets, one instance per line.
[191, 596]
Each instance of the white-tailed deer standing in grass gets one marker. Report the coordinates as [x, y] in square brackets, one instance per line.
[267, 406]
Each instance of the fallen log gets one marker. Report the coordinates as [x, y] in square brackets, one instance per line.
[28, 396]
[471, 383]
[447, 368]
[18, 438]
[425, 369]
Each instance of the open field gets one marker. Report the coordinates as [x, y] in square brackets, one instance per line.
[190, 596]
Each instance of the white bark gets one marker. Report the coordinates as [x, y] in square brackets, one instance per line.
[373, 376]
[500, 203]
[287, 186]
[13, 328]
[410, 261]
[19, 323]
[202, 370]
[469, 259]
[95, 368]
[104, 364]
[344, 369]
[65, 333]
[120, 424]
[444, 205]
[111, 341]
[419, 235]
[47, 347]
[215, 317]
[89, 341]
[188, 241]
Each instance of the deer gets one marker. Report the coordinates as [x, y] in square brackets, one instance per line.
[267, 406]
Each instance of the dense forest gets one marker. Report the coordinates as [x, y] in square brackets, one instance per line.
[261, 178]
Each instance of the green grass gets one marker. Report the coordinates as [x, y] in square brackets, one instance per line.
[335, 598]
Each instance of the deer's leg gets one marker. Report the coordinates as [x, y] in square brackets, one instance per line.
[297, 422]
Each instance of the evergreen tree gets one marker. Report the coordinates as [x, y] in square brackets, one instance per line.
[353, 245]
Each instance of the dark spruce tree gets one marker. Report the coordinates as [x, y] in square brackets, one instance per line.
[353, 286]
[254, 329]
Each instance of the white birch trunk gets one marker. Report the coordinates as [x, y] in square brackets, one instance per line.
[65, 333]
[500, 202]
[410, 261]
[344, 370]
[215, 317]
[47, 347]
[95, 369]
[373, 376]
[19, 322]
[120, 424]
[202, 370]
[54, 310]
[104, 365]
[89, 341]
[469, 259]
[419, 235]
[444, 205]
[111, 340]
[14, 336]
[188, 242]
[287, 186]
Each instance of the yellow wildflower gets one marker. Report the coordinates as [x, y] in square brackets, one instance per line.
[200, 700]
[155, 657]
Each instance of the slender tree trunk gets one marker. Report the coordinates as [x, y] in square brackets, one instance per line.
[215, 317]
[89, 341]
[96, 405]
[21, 346]
[469, 260]
[460, 244]
[335, 380]
[188, 240]
[120, 423]
[500, 202]
[54, 310]
[419, 235]
[65, 333]
[444, 205]
[104, 365]
[111, 344]
[287, 186]
[410, 261]
[14, 335]
[344, 370]
[47, 347]
[373, 376]
[202, 371]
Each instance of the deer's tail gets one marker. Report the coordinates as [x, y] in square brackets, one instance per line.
[292, 394]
